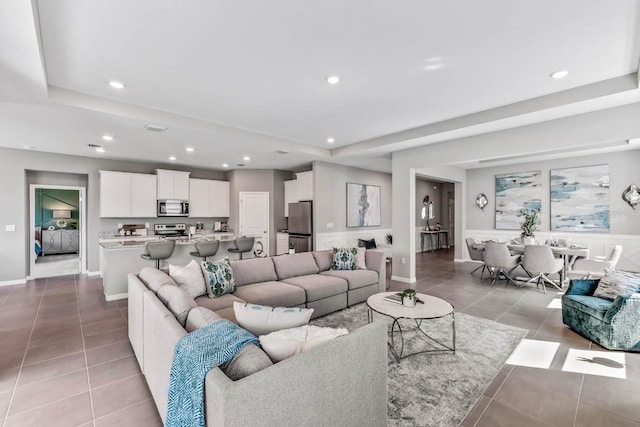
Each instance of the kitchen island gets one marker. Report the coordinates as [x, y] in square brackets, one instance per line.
[121, 255]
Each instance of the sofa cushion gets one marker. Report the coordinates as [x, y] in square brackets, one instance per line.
[272, 293]
[253, 270]
[355, 278]
[295, 265]
[283, 344]
[616, 283]
[218, 277]
[247, 361]
[596, 307]
[344, 258]
[324, 259]
[177, 300]
[217, 304]
[200, 317]
[319, 286]
[262, 319]
[189, 278]
[154, 278]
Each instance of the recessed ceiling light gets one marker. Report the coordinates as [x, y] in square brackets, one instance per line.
[225, 165]
[333, 80]
[100, 149]
[172, 158]
[559, 74]
[189, 149]
[107, 138]
[282, 151]
[246, 158]
[155, 128]
[116, 84]
[27, 147]
[330, 140]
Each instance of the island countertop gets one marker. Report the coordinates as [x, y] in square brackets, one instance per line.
[128, 242]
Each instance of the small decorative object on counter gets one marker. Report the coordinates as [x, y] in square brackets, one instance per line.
[292, 249]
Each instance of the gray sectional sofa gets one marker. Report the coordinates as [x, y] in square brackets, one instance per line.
[343, 382]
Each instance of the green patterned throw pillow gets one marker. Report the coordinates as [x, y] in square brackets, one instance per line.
[344, 258]
[218, 277]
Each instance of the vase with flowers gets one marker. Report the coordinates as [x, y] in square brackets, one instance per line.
[529, 225]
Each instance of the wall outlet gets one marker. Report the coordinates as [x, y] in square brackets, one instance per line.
[329, 225]
[119, 225]
[403, 260]
[10, 228]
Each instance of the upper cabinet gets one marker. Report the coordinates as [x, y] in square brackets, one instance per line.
[305, 185]
[127, 195]
[208, 198]
[173, 185]
[290, 194]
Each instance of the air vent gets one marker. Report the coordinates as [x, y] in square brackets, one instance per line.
[155, 128]
[95, 146]
[241, 164]
[282, 151]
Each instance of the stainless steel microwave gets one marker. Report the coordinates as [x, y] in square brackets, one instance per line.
[173, 208]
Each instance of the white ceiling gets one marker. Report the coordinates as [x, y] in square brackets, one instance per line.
[233, 78]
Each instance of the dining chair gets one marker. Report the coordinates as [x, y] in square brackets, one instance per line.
[498, 259]
[476, 255]
[588, 268]
[540, 262]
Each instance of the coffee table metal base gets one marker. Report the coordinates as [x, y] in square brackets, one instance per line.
[396, 328]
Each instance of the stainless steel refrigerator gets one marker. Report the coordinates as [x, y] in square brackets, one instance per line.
[301, 226]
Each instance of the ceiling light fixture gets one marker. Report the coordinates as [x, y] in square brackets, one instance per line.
[282, 151]
[330, 140]
[116, 84]
[333, 80]
[107, 138]
[172, 158]
[155, 128]
[559, 74]
[225, 165]
[27, 147]
[246, 158]
[189, 150]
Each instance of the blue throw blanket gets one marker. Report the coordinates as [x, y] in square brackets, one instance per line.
[195, 354]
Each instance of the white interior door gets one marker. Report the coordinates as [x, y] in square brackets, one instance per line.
[254, 217]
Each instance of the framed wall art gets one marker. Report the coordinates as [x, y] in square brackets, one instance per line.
[516, 192]
[363, 205]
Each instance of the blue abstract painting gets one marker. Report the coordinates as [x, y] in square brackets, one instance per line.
[580, 199]
[515, 192]
[363, 205]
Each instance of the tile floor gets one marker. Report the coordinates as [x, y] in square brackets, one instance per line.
[65, 358]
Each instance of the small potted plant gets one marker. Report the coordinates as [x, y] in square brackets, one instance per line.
[389, 238]
[529, 225]
[410, 298]
[292, 248]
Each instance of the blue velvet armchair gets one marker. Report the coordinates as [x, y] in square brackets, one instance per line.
[614, 325]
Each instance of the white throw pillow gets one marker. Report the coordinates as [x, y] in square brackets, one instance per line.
[189, 278]
[361, 264]
[283, 344]
[262, 319]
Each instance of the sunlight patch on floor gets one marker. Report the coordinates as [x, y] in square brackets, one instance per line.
[555, 303]
[534, 354]
[604, 364]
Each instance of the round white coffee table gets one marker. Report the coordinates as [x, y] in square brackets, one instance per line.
[433, 308]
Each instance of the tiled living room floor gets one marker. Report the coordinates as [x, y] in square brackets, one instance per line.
[65, 359]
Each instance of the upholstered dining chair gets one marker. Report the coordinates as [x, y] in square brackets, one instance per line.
[594, 267]
[498, 259]
[539, 261]
[476, 255]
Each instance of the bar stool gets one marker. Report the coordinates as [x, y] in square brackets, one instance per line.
[243, 245]
[205, 248]
[159, 250]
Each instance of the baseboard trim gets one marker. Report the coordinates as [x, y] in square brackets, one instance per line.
[403, 279]
[93, 273]
[461, 260]
[13, 282]
[115, 297]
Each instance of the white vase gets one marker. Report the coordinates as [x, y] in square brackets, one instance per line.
[529, 240]
[408, 301]
[292, 251]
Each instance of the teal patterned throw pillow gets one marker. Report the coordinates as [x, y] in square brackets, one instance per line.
[344, 258]
[218, 277]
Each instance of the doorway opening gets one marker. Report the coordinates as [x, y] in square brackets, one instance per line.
[56, 236]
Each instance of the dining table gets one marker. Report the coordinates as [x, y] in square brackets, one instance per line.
[567, 253]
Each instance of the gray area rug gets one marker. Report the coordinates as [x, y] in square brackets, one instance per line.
[438, 389]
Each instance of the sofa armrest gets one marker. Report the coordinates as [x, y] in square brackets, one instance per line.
[621, 303]
[377, 261]
[582, 287]
[624, 318]
[342, 382]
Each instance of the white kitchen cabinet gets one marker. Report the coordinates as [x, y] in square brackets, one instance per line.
[172, 185]
[304, 187]
[282, 243]
[208, 198]
[127, 195]
[290, 194]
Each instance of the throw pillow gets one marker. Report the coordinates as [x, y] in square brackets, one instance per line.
[262, 319]
[344, 258]
[361, 263]
[283, 344]
[218, 277]
[200, 317]
[189, 278]
[177, 300]
[367, 244]
[616, 283]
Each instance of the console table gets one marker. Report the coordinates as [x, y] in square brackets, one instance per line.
[434, 235]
